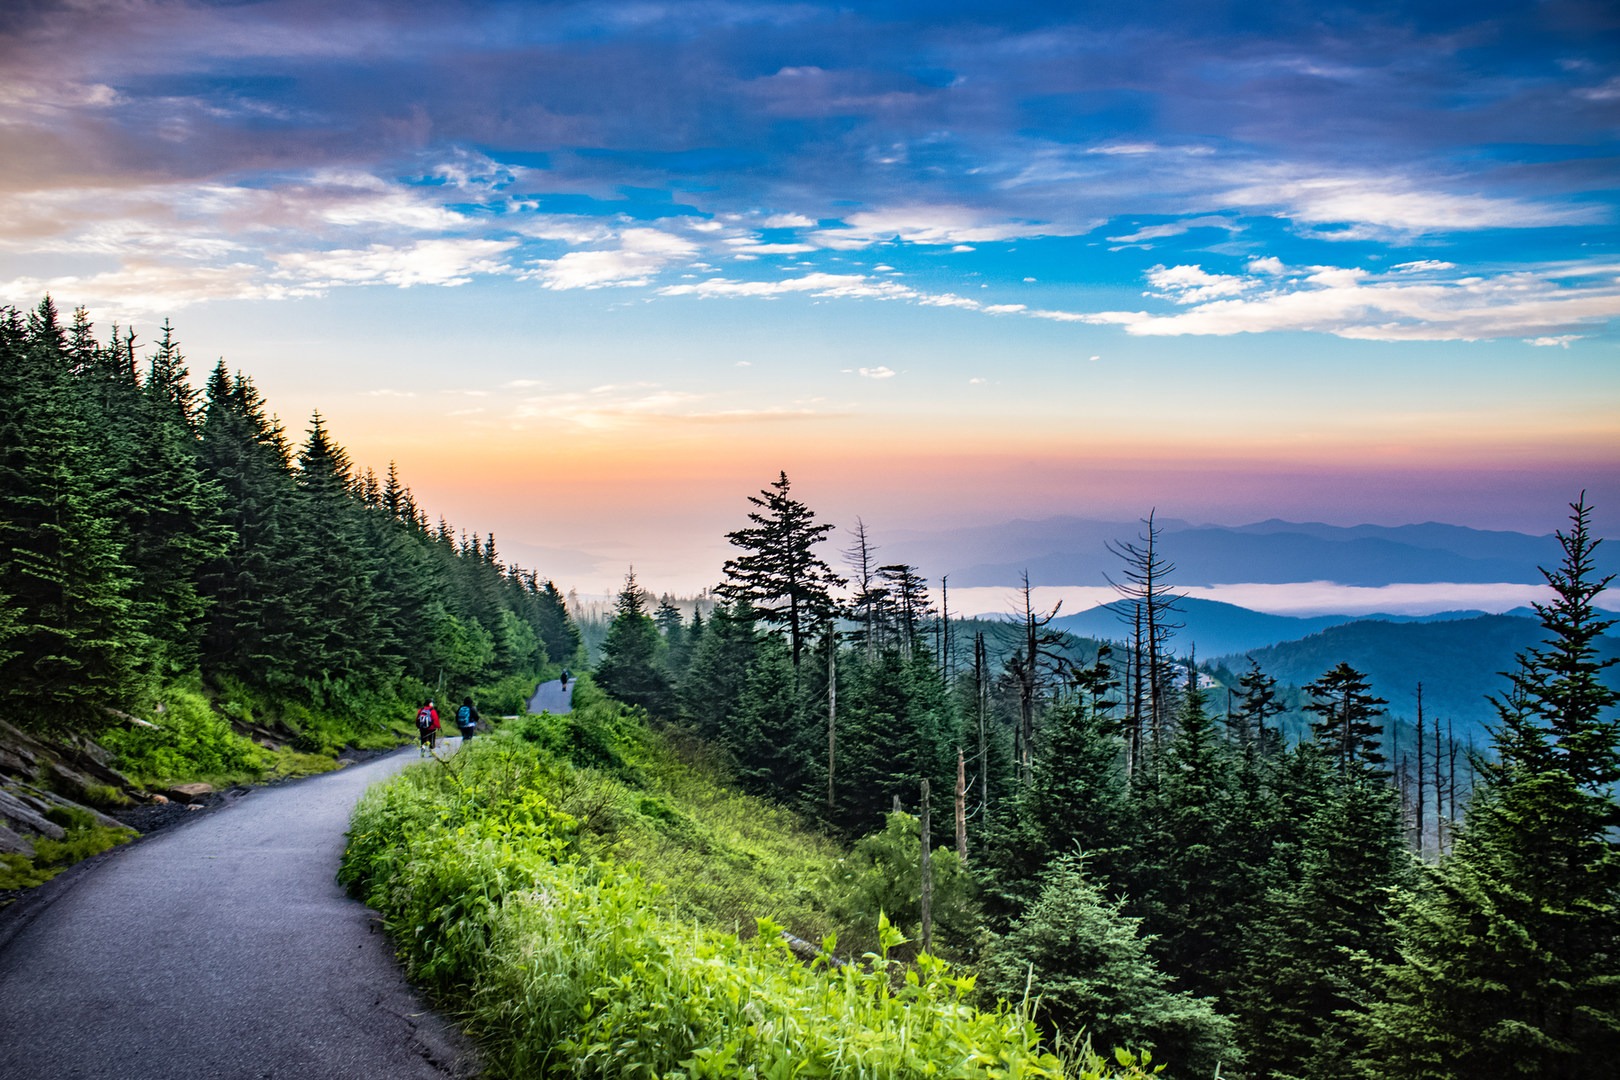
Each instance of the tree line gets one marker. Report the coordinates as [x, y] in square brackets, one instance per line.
[1158, 874]
[153, 533]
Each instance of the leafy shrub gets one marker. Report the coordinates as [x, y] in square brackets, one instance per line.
[508, 697]
[574, 966]
[191, 740]
[882, 875]
[84, 838]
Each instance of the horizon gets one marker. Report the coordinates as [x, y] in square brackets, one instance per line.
[593, 274]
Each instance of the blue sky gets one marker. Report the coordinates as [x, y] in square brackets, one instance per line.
[593, 272]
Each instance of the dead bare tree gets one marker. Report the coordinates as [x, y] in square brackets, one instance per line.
[1033, 668]
[1148, 605]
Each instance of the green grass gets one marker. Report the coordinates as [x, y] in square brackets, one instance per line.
[594, 905]
[84, 838]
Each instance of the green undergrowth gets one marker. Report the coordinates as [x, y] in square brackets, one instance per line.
[85, 837]
[597, 906]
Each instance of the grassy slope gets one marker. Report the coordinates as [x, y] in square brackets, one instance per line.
[588, 900]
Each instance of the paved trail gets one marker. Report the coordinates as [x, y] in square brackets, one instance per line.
[553, 697]
[223, 949]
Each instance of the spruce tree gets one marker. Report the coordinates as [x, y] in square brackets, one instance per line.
[1347, 716]
[779, 574]
[1509, 951]
[630, 667]
[715, 684]
[1089, 967]
[77, 646]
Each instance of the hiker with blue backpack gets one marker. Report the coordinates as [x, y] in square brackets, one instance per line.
[467, 719]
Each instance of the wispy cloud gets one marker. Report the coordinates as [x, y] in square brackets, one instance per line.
[1358, 207]
[427, 262]
[1352, 303]
[640, 256]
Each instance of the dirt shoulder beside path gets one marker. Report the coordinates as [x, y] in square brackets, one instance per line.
[223, 949]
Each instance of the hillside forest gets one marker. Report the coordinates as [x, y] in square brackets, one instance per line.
[170, 553]
[1104, 837]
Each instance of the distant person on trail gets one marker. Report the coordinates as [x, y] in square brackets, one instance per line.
[564, 679]
[427, 728]
[467, 719]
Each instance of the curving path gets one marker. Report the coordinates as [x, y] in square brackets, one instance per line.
[223, 948]
[553, 697]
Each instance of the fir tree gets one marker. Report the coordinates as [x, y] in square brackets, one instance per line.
[630, 667]
[1347, 717]
[1509, 952]
[1088, 965]
[780, 575]
[76, 645]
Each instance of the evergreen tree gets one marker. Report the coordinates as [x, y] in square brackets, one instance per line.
[1196, 894]
[630, 667]
[772, 739]
[76, 645]
[897, 728]
[172, 511]
[780, 575]
[1076, 799]
[1089, 967]
[1509, 952]
[1308, 974]
[1347, 717]
[249, 628]
[339, 635]
[717, 681]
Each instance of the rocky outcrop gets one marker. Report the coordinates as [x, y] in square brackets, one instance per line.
[190, 793]
[16, 813]
[13, 844]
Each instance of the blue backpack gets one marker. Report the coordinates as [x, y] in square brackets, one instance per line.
[464, 716]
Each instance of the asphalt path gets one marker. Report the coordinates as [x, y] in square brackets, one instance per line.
[220, 949]
[553, 697]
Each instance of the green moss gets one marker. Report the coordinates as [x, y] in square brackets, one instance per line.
[51, 857]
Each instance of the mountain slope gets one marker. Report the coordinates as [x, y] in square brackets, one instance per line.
[1459, 662]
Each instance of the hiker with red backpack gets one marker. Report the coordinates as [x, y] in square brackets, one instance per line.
[427, 728]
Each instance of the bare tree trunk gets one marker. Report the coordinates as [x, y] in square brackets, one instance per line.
[961, 807]
[982, 700]
[1422, 794]
[1133, 744]
[832, 713]
[1451, 754]
[1439, 797]
[927, 869]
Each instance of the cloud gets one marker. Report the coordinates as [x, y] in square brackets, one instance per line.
[1367, 206]
[642, 254]
[1176, 228]
[1352, 303]
[1560, 341]
[1193, 285]
[955, 226]
[144, 288]
[876, 372]
[611, 408]
[847, 286]
[427, 262]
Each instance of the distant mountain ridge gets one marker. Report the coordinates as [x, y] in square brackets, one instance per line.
[1458, 661]
[1074, 551]
[1214, 628]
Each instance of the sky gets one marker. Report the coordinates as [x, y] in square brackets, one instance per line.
[591, 274]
